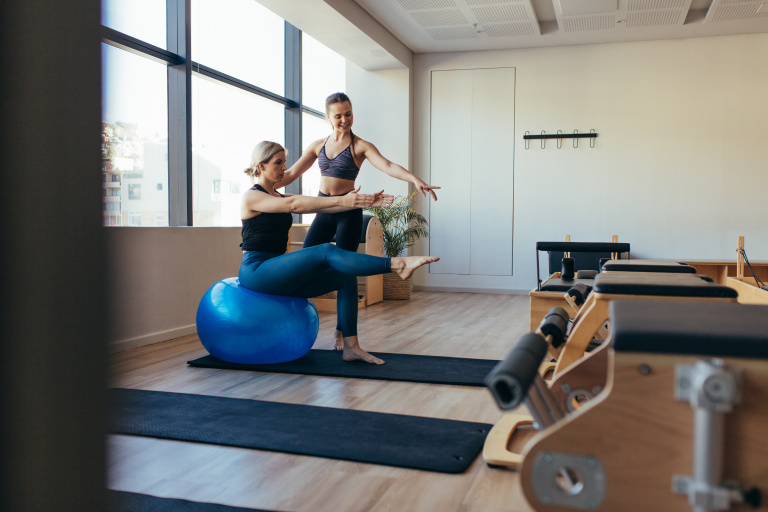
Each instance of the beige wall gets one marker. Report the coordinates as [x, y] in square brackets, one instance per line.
[159, 275]
[679, 168]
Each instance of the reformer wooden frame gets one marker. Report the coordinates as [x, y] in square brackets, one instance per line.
[575, 370]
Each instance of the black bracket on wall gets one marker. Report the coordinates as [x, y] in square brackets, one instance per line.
[592, 135]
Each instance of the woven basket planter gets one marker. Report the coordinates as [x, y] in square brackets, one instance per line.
[396, 288]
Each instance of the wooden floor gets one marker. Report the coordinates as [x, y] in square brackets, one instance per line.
[444, 324]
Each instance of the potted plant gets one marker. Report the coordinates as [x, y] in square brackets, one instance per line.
[401, 226]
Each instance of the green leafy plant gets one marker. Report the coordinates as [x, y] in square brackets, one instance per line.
[401, 225]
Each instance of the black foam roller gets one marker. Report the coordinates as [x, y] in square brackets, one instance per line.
[510, 379]
[558, 311]
[579, 293]
[556, 327]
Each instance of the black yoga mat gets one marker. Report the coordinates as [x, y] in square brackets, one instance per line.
[401, 367]
[122, 501]
[445, 446]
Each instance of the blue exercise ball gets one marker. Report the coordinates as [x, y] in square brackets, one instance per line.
[239, 325]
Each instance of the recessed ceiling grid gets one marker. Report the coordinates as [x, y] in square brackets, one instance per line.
[589, 23]
[737, 10]
[500, 14]
[426, 4]
[509, 30]
[652, 18]
[444, 20]
[450, 33]
[439, 18]
[486, 2]
[589, 15]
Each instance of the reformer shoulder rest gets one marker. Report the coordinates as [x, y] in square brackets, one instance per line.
[691, 328]
[664, 285]
[557, 284]
[582, 246]
[673, 267]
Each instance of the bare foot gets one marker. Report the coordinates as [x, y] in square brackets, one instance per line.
[404, 267]
[353, 352]
[338, 341]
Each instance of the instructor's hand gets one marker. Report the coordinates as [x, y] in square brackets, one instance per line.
[426, 189]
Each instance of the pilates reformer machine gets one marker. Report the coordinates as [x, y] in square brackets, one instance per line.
[570, 264]
[680, 423]
[584, 341]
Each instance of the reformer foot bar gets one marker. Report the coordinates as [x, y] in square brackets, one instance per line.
[679, 427]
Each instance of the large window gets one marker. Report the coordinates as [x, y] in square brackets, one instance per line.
[142, 19]
[323, 71]
[227, 124]
[134, 137]
[184, 104]
[240, 38]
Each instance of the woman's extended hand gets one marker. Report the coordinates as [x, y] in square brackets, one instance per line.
[426, 189]
[356, 200]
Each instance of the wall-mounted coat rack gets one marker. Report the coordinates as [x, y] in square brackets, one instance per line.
[592, 135]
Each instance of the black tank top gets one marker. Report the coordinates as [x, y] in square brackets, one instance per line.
[266, 232]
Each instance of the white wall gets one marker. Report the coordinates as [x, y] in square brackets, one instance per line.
[679, 168]
[380, 100]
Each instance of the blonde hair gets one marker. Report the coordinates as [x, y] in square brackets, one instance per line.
[262, 153]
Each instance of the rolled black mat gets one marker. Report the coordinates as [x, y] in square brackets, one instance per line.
[122, 501]
[430, 444]
[456, 371]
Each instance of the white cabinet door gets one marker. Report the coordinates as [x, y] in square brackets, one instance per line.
[451, 169]
[471, 151]
[493, 131]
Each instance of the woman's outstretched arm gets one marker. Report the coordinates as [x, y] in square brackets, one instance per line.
[396, 171]
[302, 165]
[258, 201]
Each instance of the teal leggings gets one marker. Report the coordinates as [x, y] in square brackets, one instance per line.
[312, 272]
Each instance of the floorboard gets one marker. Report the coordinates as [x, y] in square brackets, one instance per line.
[443, 324]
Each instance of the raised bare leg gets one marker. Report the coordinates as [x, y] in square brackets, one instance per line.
[353, 352]
[404, 267]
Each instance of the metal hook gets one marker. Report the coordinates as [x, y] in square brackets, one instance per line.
[543, 140]
[575, 139]
[527, 141]
[592, 139]
[559, 139]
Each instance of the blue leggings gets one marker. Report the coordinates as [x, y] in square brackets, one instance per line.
[311, 272]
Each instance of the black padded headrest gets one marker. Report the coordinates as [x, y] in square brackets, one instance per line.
[563, 285]
[673, 267]
[366, 220]
[582, 246]
[665, 285]
[692, 328]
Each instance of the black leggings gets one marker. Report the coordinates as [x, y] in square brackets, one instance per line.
[346, 226]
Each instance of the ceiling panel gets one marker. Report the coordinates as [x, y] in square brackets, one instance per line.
[463, 25]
